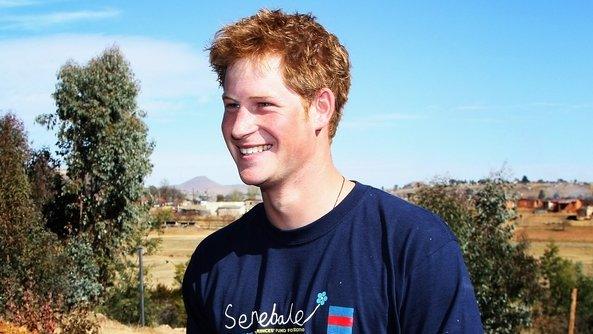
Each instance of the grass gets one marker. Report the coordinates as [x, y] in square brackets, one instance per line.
[177, 246]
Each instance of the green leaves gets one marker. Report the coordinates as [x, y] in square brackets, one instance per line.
[103, 141]
[505, 278]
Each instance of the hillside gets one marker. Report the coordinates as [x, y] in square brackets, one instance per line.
[204, 185]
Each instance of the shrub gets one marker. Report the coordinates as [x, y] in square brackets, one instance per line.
[560, 277]
[505, 278]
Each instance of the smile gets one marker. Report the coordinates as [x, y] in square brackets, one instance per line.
[255, 149]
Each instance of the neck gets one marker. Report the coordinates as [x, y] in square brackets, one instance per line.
[305, 197]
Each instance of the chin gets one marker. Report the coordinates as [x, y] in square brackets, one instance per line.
[251, 179]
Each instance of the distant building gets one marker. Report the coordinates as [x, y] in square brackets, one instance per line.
[585, 213]
[207, 208]
[564, 205]
[193, 209]
[230, 210]
[532, 204]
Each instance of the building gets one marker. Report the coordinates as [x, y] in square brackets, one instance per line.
[585, 213]
[564, 205]
[531, 204]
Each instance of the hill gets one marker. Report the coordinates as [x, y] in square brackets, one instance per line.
[203, 185]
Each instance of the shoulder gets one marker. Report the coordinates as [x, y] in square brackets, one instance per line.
[402, 215]
[410, 229]
[231, 239]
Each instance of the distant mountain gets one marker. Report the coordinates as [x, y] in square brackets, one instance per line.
[202, 184]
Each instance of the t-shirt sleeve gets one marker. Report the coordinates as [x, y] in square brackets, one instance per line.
[439, 295]
[197, 321]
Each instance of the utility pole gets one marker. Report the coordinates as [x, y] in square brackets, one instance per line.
[141, 284]
[573, 311]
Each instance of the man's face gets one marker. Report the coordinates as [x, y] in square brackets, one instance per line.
[265, 126]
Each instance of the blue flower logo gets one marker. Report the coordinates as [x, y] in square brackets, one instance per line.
[321, 298]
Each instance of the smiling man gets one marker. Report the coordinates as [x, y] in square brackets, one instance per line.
[322, 254]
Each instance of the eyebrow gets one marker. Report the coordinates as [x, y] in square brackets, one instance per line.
[224, 96]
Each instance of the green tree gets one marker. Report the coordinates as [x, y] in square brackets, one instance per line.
[253, 193]
[102, 140]
[504, 276]
[38, 274]
[235, 196]
[561, 276]
[16, 214]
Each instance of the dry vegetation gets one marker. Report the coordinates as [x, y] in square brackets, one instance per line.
[113, 327]
[177, 246]
[574, 238]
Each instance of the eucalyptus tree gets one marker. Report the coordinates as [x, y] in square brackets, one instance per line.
[102, 140]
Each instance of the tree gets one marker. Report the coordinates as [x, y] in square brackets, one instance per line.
[561, 276]
[102, 140]
[253, 193]
[504, 276]
[524, 179]
[16, 214]
[234, 196]
[37, 273]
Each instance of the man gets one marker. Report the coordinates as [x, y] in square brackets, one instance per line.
[322, 254]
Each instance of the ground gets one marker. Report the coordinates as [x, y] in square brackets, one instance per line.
[176, 247]
[573, 238]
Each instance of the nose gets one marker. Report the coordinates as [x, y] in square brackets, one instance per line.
[243, 124]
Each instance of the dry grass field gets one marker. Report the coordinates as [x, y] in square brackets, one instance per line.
[573, 238]
[177, 246]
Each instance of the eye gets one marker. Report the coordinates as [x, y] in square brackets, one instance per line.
[231, 106]
[265, 104]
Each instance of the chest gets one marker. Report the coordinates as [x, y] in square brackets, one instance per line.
[330, 286]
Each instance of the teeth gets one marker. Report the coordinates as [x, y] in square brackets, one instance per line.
[255, 149]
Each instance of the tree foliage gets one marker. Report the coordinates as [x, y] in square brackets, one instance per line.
[234, 196]
[37, 276]
[103, 142]
[561, 276]
[166, 194]
[505, 278]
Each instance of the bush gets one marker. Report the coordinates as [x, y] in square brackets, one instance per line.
[560, 277]
[505, 278]
[37, 272]
[168, 304]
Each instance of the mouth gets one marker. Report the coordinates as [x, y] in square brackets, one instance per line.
[254, 149]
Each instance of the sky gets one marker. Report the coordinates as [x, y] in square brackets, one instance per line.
[439, 89]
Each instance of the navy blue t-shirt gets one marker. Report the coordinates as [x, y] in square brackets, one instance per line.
[374, 264]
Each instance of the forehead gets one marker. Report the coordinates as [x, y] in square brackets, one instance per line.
[254, 74]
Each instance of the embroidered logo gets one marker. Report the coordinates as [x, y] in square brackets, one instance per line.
[339, 320]
[321, 298]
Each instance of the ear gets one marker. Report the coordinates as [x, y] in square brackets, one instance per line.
[322, 108]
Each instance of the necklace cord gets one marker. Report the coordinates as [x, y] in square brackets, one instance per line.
[340, 193]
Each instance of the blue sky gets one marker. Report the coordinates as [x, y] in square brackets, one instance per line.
[453, 89]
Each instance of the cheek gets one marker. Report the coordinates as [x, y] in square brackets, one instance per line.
[226, 125]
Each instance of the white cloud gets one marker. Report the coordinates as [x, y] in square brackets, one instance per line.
[172, 75]
[39, 21]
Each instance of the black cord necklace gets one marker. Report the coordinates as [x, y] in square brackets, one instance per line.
[340, 193]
